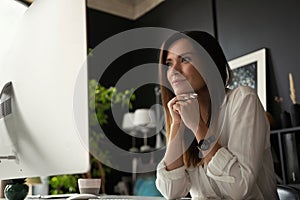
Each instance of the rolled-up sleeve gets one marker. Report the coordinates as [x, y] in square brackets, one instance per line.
[220, 166]
[238, 165]
[172, 184]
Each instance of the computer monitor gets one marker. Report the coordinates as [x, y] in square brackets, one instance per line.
[44, 115]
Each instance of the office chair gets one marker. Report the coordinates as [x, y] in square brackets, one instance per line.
[286, 192]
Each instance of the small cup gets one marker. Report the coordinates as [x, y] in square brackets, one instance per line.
[89, 185]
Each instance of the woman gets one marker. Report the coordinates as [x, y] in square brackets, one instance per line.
[238, 164]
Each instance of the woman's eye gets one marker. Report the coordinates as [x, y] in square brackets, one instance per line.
[169, 64]
[186, 59]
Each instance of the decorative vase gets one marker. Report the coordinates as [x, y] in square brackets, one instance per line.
[295, 114]
[16, 191]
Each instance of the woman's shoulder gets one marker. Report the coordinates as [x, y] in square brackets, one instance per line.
[241, 91]
[240, 94]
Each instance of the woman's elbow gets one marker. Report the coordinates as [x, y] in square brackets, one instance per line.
[171, 195]
[169, 191]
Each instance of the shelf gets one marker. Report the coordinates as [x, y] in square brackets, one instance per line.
[295, 185]
[279, 134]
[285, 130]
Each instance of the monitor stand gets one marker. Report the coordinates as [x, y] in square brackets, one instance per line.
[5, 109]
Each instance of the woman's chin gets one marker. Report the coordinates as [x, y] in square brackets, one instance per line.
[180, 92]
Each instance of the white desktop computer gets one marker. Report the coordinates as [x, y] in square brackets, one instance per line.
[43, 85]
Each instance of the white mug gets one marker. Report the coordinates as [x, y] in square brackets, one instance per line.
[89, 185]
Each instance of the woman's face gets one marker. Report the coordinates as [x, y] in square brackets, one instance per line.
[182, 61]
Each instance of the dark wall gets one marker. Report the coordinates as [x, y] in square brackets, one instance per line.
[103, 25]
[248, 25]
[180, 15]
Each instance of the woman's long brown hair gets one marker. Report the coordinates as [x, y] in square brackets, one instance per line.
[211, 45]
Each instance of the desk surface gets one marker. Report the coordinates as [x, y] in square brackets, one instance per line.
[110, 197]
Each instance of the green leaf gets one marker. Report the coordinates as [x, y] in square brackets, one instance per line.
[101, 100]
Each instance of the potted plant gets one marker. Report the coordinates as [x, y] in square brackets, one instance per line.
[16, 190]
[63, 184]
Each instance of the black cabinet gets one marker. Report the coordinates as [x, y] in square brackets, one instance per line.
[286, 155]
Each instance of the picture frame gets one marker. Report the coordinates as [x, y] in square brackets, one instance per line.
[250, 70]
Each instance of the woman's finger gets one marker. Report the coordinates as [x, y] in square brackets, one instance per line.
[176, 108]
[189, 113]
[172, 101]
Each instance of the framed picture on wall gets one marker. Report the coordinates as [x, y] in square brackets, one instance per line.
[250, 70]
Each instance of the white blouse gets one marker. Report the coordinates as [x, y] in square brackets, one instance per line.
[241, 169]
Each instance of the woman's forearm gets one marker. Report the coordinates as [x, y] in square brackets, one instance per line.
[174, 153]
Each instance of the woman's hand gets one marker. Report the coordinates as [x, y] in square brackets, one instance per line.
[174, 111]
[189, 113]
[173, 157]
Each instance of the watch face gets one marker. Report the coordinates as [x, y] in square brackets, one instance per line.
[204, 145]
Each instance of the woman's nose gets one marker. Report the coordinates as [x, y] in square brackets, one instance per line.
[176, 67]
[174, 70]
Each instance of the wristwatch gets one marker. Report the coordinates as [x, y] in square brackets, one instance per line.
[204, 145]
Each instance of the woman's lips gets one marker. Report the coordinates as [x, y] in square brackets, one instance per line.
[181, 86]
[177, 82]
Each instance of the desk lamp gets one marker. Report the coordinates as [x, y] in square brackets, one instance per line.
[32, 181]
[129, 126]
[144, 119]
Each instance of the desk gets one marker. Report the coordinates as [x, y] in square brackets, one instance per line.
[115, 197]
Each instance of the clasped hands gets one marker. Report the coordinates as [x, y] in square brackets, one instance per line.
[188, 112]
[185, 110]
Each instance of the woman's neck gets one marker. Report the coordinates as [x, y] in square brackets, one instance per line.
[204, 104]
[204, 98]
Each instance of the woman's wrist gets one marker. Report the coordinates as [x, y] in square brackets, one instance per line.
[175, 129]
[201, 131]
